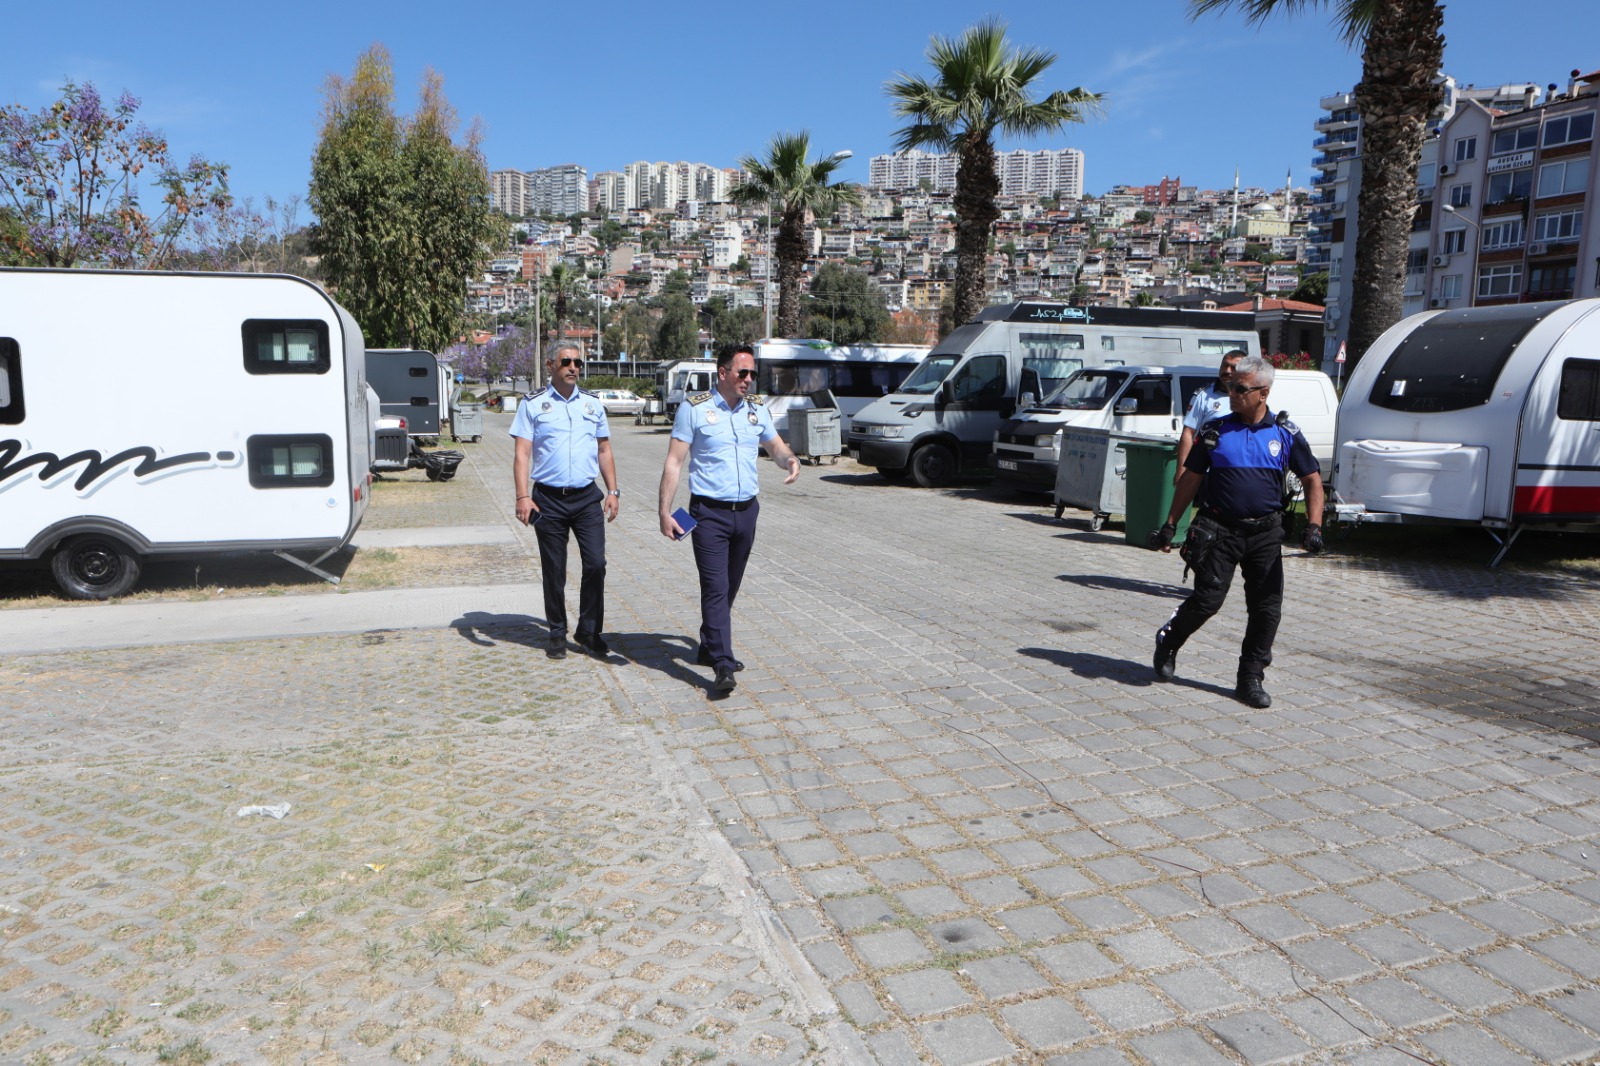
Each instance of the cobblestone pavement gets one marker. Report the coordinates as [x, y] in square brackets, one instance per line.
[946, 772]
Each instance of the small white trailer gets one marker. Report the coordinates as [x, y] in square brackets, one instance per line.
[1486, 416]
[146, 414]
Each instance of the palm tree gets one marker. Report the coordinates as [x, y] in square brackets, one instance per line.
[981, 86]
[1402, 51]
[564, 281]
[795, 187]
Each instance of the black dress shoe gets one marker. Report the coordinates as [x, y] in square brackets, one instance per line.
[556, 649]
[703, 658]
[1250, 693]
[1166, 661]
[724, 683]
[595, 645]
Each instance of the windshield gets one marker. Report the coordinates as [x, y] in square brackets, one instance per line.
[924, 380]
[1087, 390]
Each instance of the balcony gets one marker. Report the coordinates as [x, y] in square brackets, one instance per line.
[1336, 138]
[1544, 295]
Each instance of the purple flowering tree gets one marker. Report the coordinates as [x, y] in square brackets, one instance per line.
[71, 180]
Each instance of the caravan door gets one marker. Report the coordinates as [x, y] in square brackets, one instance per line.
[1558, 453]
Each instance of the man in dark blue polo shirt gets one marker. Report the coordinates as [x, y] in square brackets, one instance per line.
[1236, 467]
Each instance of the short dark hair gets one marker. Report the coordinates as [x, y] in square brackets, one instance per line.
[1237, 353]
[726, 356]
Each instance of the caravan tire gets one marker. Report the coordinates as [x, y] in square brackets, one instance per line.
[933, 466]
[94, 567]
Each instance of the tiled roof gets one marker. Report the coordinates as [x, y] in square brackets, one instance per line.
[1276, 305]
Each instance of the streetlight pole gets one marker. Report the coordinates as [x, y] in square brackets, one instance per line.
[766, 292]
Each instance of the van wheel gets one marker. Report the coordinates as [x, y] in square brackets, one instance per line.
[933, 466]
[94, 567]
[893, 473]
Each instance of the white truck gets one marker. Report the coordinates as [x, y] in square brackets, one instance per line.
[147, 414]
[942, 420]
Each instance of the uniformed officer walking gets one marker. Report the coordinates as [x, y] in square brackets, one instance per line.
[1208, 402]
[563, 442]
[720, 434]
[1241, 458]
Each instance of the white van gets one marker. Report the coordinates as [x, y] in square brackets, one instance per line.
[943, 418]
[176, 414]
[686, 378]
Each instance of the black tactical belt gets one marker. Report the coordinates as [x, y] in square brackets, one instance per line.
[722, 505]
[557, 490]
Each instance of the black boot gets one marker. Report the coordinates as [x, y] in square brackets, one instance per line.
[1166, 660]
[1250, 693]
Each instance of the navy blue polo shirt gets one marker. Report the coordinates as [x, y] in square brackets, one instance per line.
[1244, 470]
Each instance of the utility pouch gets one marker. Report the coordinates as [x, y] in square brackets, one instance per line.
[1201, 539]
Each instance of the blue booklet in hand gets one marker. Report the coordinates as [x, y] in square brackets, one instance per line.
[685, 523]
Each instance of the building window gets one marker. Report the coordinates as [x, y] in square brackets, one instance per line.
[276, 346]
[1416, 261]
[11, 407]
[1450, 287]
[1553, 282]
[1509, 185]
[1502, 280]
[1453, 242]
[1520, 139]
[1425, 177]
[1507, 234]
[1571, 175]
[1466, 148]
[1579, 399]
[1569, 129]
[1558, 226]
[1461, 195]
[280, 461]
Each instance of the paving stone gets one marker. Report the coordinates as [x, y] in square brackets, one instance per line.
[1392, 945]
[1461, 986]
[1397, 1003]
[924, 992]
[897, 947]
[1179, 1046]
[1126, 1006]
[1099, 1056]
[1548, 1039]
[1258, 1038]
[1047, 1023]
[965, 935]
[966, 1041]
[931, 902]
[1470, 1044]
[1522, 971]
[1198, 989]
[1077, 962]
[859, 912]
[860, 1003]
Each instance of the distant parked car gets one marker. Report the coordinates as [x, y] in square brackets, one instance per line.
[621, 402]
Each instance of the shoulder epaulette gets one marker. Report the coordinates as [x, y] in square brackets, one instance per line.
[540, 391]
[1290, 426]
[700, 399]
[1208, 423]
[755, 398]
[588, 392]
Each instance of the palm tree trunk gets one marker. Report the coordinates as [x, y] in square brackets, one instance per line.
[1399, 65]
[790, 251]
[977, 185]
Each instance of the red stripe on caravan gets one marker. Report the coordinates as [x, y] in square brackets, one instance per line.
[1557, 499]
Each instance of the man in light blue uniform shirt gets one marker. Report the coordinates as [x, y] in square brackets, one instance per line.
[720, 434]
[563, 444]
[1208, 403]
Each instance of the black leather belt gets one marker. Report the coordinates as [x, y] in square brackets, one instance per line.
[557, 490]
[722, 505]
[1245, 525]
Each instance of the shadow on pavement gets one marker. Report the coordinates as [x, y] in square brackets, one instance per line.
[1094, 667]
[669, 653]
[487, 630]
[1125, 584]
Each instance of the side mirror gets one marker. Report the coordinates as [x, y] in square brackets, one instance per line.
[947, 391]
[1127, 406]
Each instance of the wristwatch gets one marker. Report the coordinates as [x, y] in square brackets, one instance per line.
[614, 492]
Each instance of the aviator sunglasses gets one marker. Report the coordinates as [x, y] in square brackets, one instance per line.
[569, 361]
[1239, 388]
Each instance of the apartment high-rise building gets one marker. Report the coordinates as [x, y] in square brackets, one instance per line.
[1047, 172]
[558, 190]
[508, 192]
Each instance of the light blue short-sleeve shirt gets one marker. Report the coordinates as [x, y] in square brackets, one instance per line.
[564, 432]
[1208, 403]
[724, 444]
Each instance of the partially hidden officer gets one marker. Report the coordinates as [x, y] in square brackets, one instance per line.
[563, 444]
[720, 434]
[1209, 401]
[1237, 466]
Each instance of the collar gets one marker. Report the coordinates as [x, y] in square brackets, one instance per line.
[716, 397]
[1266, 420]
[576, 394]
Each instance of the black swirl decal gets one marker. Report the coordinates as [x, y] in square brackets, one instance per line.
[95, 466]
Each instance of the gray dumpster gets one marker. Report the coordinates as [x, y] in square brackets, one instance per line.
[1093, 472]
[466, 422]
[814, 431]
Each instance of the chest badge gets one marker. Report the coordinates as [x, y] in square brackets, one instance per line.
[711, 418]
[1275, 447]
[546, 406]
[588, 408]
[754, 421]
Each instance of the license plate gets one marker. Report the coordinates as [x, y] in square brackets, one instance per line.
[1006, 464]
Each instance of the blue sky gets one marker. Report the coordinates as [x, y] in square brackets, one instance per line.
[603, 85]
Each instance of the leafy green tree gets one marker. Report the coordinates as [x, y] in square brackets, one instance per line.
[70, 184]
[1144, 217]
[1402, 50]
[632, 329]
[845, 307]
[676, 283]
[981, 86]
[1313, 289]
[678, 335]
[402, 208]
[794, 187]
[734, 325]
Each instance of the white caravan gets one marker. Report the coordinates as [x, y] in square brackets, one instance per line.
[174, 414]
[1487, 415]
[685, 378]
[790, 371]
[943, 418]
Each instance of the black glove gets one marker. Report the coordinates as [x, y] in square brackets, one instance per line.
[1161, 539]
[1311, 539]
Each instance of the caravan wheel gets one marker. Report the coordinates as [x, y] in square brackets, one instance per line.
[94, 567]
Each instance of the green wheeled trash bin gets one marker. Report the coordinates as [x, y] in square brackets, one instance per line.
[1151, 467]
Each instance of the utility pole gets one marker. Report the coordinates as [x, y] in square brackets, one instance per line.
[538, 331]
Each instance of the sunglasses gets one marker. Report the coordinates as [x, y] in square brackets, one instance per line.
[1239, 388]
[569, 361]
[742, 374]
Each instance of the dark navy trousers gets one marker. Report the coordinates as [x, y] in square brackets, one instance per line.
[722, 543]
[1259, 556]
[580, 515]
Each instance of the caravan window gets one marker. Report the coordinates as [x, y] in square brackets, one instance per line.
[925, 379]
[281, 461]
[1087, 390]
[1452, 361]
[277, 346]
[1222, 346]
[1579, 400]
[11, 409]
